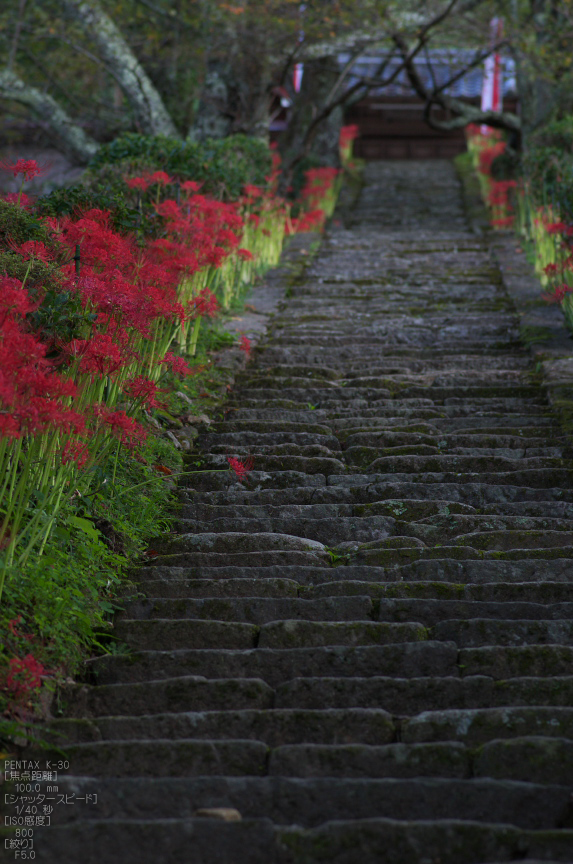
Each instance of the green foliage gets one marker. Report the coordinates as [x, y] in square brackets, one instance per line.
[68, 596]
[99, 195]
[224, 165]
[60, 315]
[548, 166]
[506, 166]
[557, 134]
[18, 226]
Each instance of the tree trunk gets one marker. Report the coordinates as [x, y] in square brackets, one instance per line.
[150, 112]
[70, 138]
[232, 101]
[318, 80]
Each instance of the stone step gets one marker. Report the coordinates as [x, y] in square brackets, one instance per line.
[389, 438]
[362, 490]
[400, 551]
[317, 461]
[311, 802]
[163, 635]
[479, 725]
[444, 528]
[525, 592]
[165, 758]
[168, 758]
[437, 612]
[491, 592]
[274, 666]
[443, 571]
[485, 465]
[411, 696]
[514, 662]
[260, 610]
[182, 693]
[213, 441]
[480, 632]
[276, 727]
[330, 532]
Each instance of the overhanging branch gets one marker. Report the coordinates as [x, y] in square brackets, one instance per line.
[72, 139]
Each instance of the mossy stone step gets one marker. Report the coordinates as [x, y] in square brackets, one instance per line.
[491, 592]
[479, 725]
[306, 802]
[329, 531]
[513, 662]
[275, 727]
[274, 666]
[253, 610]
[475, 632]
[212, 441]
[446, 759]
[168, 758]
[184, 693]
[411, 696]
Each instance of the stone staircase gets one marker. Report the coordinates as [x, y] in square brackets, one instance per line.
[366, 648]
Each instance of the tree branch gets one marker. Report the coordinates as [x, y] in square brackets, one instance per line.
[465, 113]
[147, 104]
[72, 139]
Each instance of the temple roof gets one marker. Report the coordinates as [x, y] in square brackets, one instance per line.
[438, 65]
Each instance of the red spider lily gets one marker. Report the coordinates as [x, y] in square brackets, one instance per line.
[18, 198]
[348, 134]
[245, 254]
[177, 365]
[29, 168]
[32, 249]
[191, 186]
[137, 183]
[125, 428]
[488, 154]
[144, 390]
[558, 293]
[99, 355]
[245, 345]
[13, 298]
[31, 392]
[205, 305]
[24, 675]
[311, 221]
[170, 210]
[160, 177]
[551, 269]
[241, 469]
[560, 228]
[75, 451]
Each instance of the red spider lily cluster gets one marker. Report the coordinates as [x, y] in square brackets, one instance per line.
[67, 402]
[59, 411]
[22, 676]
[498, 193]
[552, 238]
[318, 199]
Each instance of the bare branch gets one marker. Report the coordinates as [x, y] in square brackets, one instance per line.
[436, 96]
